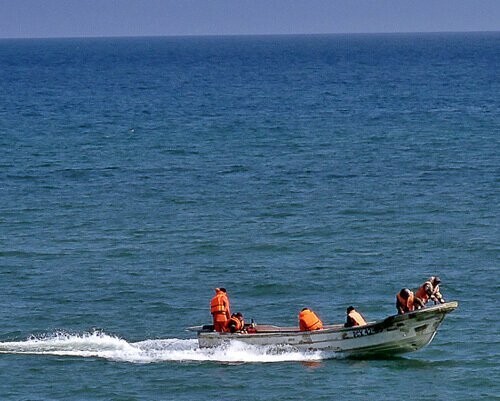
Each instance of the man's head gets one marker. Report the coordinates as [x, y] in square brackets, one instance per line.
[405, 293]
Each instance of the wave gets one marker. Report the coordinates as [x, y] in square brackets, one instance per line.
[102, 345]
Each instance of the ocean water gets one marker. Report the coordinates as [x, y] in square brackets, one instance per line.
[137, 174]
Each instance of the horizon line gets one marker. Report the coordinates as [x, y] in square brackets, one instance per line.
[213, 35]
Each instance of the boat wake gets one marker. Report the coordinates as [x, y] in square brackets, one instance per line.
[102, 345]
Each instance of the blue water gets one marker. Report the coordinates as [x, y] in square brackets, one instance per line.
[138, 174]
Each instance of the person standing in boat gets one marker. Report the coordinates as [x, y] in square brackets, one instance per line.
[430, 291]
[407, 302]
[308, 320]
[220, 309]
[354, 318]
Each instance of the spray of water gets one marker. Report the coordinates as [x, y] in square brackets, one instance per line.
[102, 345]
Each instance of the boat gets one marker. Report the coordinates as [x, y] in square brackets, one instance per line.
[394, 335]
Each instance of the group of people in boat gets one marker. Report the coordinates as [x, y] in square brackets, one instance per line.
[406, 301]
[308, 320]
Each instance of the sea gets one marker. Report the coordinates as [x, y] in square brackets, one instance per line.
[138, 174]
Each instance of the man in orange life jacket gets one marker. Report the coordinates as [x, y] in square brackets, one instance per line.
[430, 291]
[236, 323]
[220, 309]
[406, 301]
[308, 320]
[354, 318]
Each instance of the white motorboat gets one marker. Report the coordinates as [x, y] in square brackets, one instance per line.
[393, 335]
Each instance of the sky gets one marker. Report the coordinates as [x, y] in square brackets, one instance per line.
[97, 18]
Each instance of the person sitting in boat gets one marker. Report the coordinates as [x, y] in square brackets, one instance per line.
[354, 318]
[430, 291]
[308, 320]
[407, 302]
[236, 323]
[220, 309]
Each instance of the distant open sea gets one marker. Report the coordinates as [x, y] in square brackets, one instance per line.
[137, 174]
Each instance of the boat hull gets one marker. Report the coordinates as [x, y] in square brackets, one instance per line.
[394, 335]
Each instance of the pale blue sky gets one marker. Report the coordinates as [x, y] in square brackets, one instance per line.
[76, 18]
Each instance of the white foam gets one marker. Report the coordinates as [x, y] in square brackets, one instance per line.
[101, 345]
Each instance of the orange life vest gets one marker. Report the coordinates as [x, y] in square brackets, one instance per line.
[422, 292]
[408, 305]
[309, 321]
[220, 304]
[357, 318]
[235, 324]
